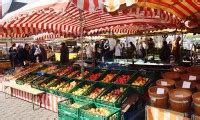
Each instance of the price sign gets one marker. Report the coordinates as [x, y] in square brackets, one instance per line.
[164, 83]
[186, 84]
[160, 91]
[191, 77]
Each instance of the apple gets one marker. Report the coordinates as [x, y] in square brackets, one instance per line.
[99, 111]
[108, 77]
[81, 90]
[140, 81]
[122, 79]
[94, 76]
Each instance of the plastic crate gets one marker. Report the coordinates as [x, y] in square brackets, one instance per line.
[142, 88]
[94, 72]
[21, 80]
[124, 72]
[59, 83]
[38, 81]
[119, 100]
[79, 86]
[78, 74]
[85, 95]
[116, 72]
[62, 72]
[67, 93]
[67, 111]
[114, 113]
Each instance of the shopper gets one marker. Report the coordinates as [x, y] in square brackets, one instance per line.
[26, 53]
[106, 50]
[176, 50]
[12, 56]
[165, 52]
[140, 51]
[20, 55]
[88, 49]
[43, 55]
[32, 51]
[132, 50]
[50, 53]
[151, 45]
[118, 49]
[64, 56]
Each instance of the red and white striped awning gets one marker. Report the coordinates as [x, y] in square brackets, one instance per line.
[184, 9]
[45, 36]
[63, 18]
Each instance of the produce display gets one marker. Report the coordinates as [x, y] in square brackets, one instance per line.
[95, 92]
[113, 95]
[79, 75]
[99, 111]
[49, 70]
[46, 84]
[94, 76]
[64, 71]
[108, 78]
[67, 87]
[140, 81]
[81, 90]
[72, 73]
[55, 87]
[41, 80]
[122, 79]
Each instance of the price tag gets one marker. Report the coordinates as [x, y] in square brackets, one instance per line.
[160, 91]
[164, 83]
[186, 84]
[191, 77]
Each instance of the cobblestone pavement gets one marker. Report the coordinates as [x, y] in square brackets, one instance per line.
[13, 108]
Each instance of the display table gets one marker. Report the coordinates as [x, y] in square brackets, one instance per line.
[153, 113]
[47, 100]
[24, 88]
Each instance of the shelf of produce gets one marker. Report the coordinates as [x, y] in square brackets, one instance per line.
[108, 76]
[72, 72]
[96, 90]
[114, 96]
[63, 71]
[99, 112]
[141, 81]
[70, 108]
[95, 75]
[27, 79]
[124, 77]
[78, 76]
[81, 88]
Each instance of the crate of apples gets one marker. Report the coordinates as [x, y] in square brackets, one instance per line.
[79, 75]
[64, 71]
[81, 90]
[57, 86]
[99, 111]
[95, 92]
[67, 87]
[72, 73]
[108, 77]
[140, 81]
[94, 76]
[123, 79]
[113, 95]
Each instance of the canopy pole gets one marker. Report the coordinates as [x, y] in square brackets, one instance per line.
[81, 39]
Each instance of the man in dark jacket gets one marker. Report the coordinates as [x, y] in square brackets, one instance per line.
[165, 52]
[13, 54]
[64, 56]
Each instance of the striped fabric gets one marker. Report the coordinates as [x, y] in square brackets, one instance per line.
[63, 18]
[153, 113]
[184, 9]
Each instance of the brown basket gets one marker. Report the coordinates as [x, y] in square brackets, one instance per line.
[196, 102]
[180, 100]
[192, 88]
[186, 77]
[170, 83]
[194, 70]
[158, 100]
[171, 75]
[179, 69]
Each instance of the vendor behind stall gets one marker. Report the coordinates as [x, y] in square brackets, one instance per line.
[13, 54]
[165, 52]
[64, 57]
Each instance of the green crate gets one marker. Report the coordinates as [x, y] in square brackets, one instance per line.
[93, 72]
[63, 69]
[75, 76]
[119, 100]
[142, 88]
[124, 72]
[114, 113]
[109, 72]
[70, 112]
[51, 81]
[85, 95]
[36, 83]
[79, 87]
[73, 70]
[66, 94]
